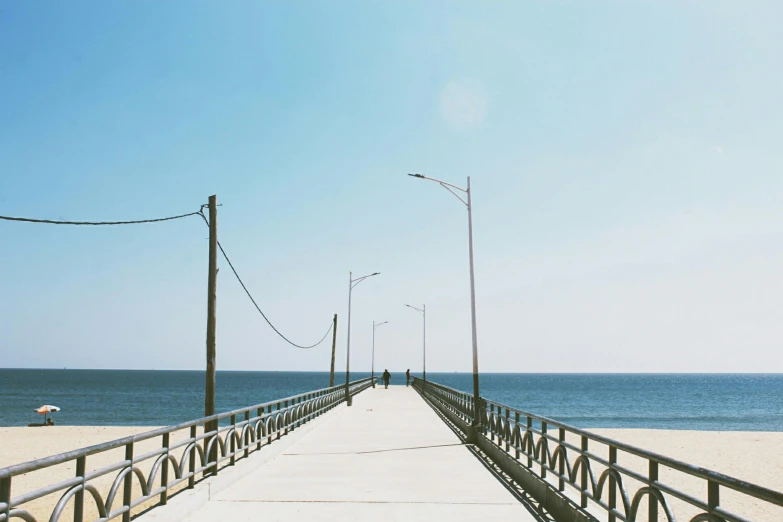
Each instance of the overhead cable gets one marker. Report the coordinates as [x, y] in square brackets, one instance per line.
[97, 223]
[252, 300]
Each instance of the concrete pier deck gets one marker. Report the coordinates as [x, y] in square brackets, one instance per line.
[388, 457]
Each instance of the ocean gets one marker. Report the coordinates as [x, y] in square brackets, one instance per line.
[735, 402]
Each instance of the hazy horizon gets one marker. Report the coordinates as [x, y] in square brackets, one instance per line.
[401, 370]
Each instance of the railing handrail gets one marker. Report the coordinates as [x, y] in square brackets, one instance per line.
[750, 488]
[53, 460]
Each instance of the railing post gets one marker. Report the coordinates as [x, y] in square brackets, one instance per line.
[246, 436]
[652, 504]
[612, 484]
[516, 426]
[192, 463]
[583, 502]
[481, 411]
[508, 429]
[529, 449]
[713, 499]
[491, 418]
[214, 453]
[164, 472]
[260, 414]
[561, 460]
[269, 431]
[289, 418]
[78, 499]
[292, 417]
[216, 447]
[5, 496]
[232, 445]
[128, 486]
[544, 447]
[280, 416]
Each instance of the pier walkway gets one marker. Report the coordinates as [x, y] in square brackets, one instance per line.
[387, 457]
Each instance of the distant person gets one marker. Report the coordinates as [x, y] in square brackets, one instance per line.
[386, 378]
[408, 377]
[50, 422]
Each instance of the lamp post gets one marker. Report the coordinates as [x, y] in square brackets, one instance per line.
[472, 430]
[423, 312]
[374, 326]
[352, 282]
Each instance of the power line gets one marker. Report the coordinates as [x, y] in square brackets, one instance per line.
[262, 313]
[231, 265]
[97, 223]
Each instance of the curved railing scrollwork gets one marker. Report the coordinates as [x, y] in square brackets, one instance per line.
[571, 469]
[244, 431]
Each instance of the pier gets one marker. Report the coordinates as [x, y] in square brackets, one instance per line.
[401, 453]
[389, 456]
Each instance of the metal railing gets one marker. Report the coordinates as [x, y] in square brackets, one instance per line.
[526, 439]
[247, 431]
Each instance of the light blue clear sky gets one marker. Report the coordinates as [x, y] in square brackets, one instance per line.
[625, 158]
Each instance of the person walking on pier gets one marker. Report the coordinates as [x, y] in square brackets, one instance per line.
[386, 378]
[408, 377]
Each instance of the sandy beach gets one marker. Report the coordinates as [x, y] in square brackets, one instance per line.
[753, 456]
[19, 445]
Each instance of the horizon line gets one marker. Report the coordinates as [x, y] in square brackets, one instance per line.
[368, 371]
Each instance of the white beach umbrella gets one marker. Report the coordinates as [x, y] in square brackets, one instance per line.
[46, 408]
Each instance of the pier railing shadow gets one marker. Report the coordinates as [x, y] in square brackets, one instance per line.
[144, 480]
[560, 467]
[533, 506]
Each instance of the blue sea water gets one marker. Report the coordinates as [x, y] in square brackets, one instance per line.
[739, 402]
[713, 402]
[142, 397]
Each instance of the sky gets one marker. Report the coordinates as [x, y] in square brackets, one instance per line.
[625, 162]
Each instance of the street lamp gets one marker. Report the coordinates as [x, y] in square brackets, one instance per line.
[352, 282]
[423, 312]
[473, 430]
[374, 326]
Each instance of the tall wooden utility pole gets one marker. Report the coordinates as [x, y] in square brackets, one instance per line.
[334, 343]
[209, 399]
